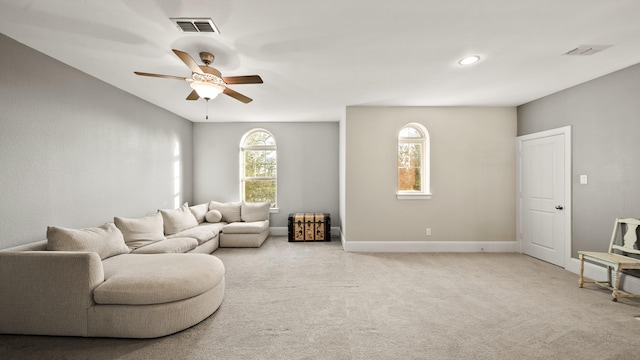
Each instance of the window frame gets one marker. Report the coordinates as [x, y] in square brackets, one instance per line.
[425, 166]
[244, 178]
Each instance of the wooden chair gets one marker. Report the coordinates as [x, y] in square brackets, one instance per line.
[616, 259]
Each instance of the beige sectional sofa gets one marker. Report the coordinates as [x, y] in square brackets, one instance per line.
[133, 278]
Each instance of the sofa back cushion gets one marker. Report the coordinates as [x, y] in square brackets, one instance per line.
[139, 232]
[106, 240]
[230, 211]
[199, 211]
[255, 211]
[176, 220]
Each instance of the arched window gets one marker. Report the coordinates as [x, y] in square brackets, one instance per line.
[258, 167]
[413, 162]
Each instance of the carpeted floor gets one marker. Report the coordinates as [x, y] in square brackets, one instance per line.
[314, 301]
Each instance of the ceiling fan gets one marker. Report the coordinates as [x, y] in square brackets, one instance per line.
[206, 81]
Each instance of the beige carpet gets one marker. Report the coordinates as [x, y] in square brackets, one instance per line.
[314, 301]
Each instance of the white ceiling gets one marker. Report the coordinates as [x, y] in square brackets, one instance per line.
[317, 57]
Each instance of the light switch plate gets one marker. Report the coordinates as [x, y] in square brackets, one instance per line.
[583, 179]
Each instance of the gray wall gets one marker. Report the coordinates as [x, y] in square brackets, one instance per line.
[307, 165]
[75, 151]
[605, 118]
[472, 175]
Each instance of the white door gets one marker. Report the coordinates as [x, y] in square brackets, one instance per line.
[543, 200]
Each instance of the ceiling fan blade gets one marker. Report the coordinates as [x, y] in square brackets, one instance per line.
[247, 79]
[193, 96]
[236, 95]
[188, 60]
[160, 76]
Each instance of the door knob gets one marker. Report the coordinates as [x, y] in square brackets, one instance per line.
[559, 207]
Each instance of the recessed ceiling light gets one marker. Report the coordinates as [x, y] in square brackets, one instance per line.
[469, 60]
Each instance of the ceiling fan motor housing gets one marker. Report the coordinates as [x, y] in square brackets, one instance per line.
[207, 58]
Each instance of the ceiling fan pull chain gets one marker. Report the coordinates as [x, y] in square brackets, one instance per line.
[207, 102]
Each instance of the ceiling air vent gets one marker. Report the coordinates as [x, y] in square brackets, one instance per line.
[584, 50]
[195, 25]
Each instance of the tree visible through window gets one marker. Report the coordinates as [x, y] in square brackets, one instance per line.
[259, 167]
[413, 157]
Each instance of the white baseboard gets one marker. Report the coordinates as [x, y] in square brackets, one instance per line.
[629, 284]
[430, 246]
[284, 231]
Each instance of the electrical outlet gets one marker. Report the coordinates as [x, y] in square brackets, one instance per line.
[428, 231]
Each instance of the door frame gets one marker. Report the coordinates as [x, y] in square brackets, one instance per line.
[566, 132]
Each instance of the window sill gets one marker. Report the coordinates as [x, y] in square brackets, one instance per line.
[413, 196]
[274, 210]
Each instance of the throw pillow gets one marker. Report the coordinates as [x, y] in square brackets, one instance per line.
[105, 240]
[176, 220]
[140, 231]
[230, 211]
[199, 211]
[255, 211]
[213, 216]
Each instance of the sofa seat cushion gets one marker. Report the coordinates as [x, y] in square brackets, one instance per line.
[157, 279]
[202, 233]
[173, 245]
[253, 227]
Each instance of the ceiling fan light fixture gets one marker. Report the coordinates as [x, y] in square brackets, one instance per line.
[469, 60]
[206, 90]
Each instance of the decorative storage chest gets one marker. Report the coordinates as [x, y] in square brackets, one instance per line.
[309, 227]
